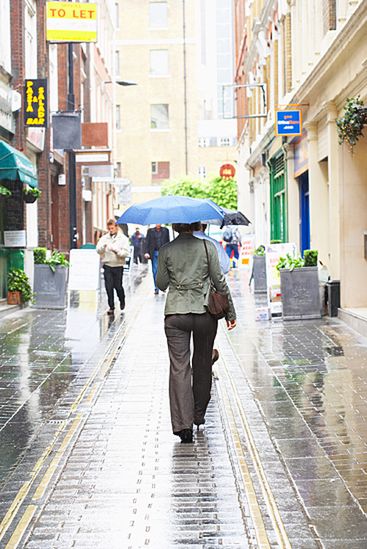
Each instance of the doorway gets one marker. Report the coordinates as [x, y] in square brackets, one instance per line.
[304, 212]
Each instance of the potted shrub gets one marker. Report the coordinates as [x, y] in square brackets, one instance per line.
[299, 286]
[19, 288]
[31, 194]
[50, 279]
[259, 270]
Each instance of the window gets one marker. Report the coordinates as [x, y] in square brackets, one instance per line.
[30, 40]
[117, 14]
[160, 171]
[159, 117]
[158, 15]
[158, 62]
[202, 172]
[117, 62]
[118, 117]
[118, 169]
[5, 56]
[224, 142]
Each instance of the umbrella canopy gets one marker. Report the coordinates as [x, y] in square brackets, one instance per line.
[229, 217]
[171, 209]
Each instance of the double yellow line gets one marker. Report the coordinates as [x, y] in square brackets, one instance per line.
[234, 410]
[93, 386]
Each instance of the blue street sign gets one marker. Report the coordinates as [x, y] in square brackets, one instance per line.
[288, 122]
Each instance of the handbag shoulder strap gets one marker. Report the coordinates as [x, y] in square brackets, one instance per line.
[207, 257]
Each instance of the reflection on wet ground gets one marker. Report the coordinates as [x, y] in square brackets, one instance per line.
[125, 478]
[41, 353]
[310, 379]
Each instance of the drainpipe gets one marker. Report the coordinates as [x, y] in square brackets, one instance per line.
[185, 84]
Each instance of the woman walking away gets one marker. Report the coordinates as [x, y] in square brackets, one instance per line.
[186, 269]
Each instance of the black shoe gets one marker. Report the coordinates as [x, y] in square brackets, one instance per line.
[156, 292]
[111, 311]
[215, 355]
[122, 305]
[199, 422]
[185, 436]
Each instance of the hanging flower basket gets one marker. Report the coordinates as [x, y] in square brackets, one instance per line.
[31, 194]
[350, 125]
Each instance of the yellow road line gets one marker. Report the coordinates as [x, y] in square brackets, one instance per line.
[102, 367]
[23, 491]
[255, 511]
[21, 527]
[56, 460]
[273, 510]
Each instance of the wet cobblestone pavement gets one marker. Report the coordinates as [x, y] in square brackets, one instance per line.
[88, 458]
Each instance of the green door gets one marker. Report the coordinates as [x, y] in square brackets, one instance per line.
[278, 200]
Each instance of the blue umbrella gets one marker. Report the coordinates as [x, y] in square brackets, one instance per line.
[171, 209]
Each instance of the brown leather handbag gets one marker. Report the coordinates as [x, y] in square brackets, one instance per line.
[218, 304]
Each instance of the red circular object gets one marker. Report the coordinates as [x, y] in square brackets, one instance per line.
[227, 171]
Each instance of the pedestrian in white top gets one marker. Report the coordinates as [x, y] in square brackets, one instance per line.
[113, 247]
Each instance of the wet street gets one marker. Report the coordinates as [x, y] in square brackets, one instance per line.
[87, 454]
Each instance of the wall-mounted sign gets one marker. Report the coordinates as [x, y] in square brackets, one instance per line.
[35, 103]
[227, 171]
[7, 120]
[15, 239]
[288, 122]
[71, 22]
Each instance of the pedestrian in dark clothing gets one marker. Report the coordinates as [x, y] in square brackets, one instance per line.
[137, 240]
[113, 247]
[155, 239]
[185, 268]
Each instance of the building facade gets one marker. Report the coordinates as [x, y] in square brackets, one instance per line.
[170, 125]
[307, 189]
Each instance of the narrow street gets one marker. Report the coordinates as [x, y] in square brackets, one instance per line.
[88, 457]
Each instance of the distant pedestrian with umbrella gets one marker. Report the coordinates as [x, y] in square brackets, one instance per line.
[188, 266]
[155, 239]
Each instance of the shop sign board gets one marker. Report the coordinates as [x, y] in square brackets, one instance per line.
[84, 270]
[288, 122]
[227, 171]
[71, 22]
[35, 103]
[273, 253]
[247, 248]
[15, 239]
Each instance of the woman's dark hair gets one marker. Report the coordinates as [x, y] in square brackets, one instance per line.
[181, 227]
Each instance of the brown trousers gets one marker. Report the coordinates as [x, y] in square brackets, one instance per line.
[189, 398]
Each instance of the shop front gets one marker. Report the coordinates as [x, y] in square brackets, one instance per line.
[17, 174]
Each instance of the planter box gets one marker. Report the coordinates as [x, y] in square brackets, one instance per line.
[50, 288]
[300, 293]
[14, 298]
[259, 274]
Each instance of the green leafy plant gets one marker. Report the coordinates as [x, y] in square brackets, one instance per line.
[222, 191]
[260, 250]
[18, 281]
[311, 257]
[30, 191]
[39, 256]
[4, 191]
[289, 262]
[57, 259]
[350, 125]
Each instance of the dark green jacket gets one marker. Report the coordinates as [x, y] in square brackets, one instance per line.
[183, 268]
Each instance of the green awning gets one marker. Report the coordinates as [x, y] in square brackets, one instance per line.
[15, 166]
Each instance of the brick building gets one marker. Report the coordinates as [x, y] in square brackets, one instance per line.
[25, 54]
